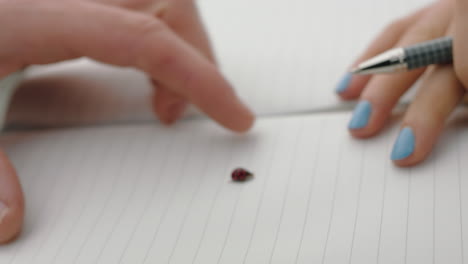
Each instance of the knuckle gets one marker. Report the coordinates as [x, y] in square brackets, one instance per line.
[147, 26]
[159, 63]
[147, 42]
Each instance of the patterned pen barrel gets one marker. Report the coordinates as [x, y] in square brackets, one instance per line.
[437, 51]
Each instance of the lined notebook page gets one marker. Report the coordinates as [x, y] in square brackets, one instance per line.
[281, 56]
[146, 194]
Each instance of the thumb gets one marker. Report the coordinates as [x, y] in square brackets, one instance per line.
[11, 201]
[460, 42]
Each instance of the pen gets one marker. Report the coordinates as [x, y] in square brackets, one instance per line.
[437, 51]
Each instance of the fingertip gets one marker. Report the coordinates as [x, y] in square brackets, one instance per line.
[220, 101]
[168, 106]
[351, 86]
[173, 112]
[368, 131]
[370, 115]
[362, 133]
[365, 121]
[411, 147]
[404, 145]
[11, 202]
[243, 123]
[406, 162]
[11, 221]
[361, 116]
[344, 82]
[411, 160]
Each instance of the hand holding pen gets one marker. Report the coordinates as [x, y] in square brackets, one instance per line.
[440, 90]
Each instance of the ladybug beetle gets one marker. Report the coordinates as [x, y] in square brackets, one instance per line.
[240, 174]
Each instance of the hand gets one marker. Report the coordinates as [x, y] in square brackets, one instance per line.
[182, 18]
[164, 38]
[438, 95]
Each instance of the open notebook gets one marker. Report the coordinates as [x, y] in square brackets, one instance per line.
[148, 194]
[138, 192]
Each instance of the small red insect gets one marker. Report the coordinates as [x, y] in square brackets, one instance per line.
[240, 174]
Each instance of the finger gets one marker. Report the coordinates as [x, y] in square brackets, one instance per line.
[350, 86]
[383, 91]
[116, 36]
[426, 116]
[11, 201]
[183, 18]
[168, 106]
[440, 93]
[460, 41]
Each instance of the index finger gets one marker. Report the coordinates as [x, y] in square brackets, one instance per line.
[182, 68]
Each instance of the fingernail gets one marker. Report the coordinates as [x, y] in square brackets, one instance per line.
[3, 211]
[404, 145]
[361, 115]
[344, 83]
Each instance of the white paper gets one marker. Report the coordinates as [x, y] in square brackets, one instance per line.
[147, 194]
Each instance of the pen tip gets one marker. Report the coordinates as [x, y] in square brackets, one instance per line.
[354, 70]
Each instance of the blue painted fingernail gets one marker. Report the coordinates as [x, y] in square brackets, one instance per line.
[404, 145]
[344, 83]
[361, 115]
